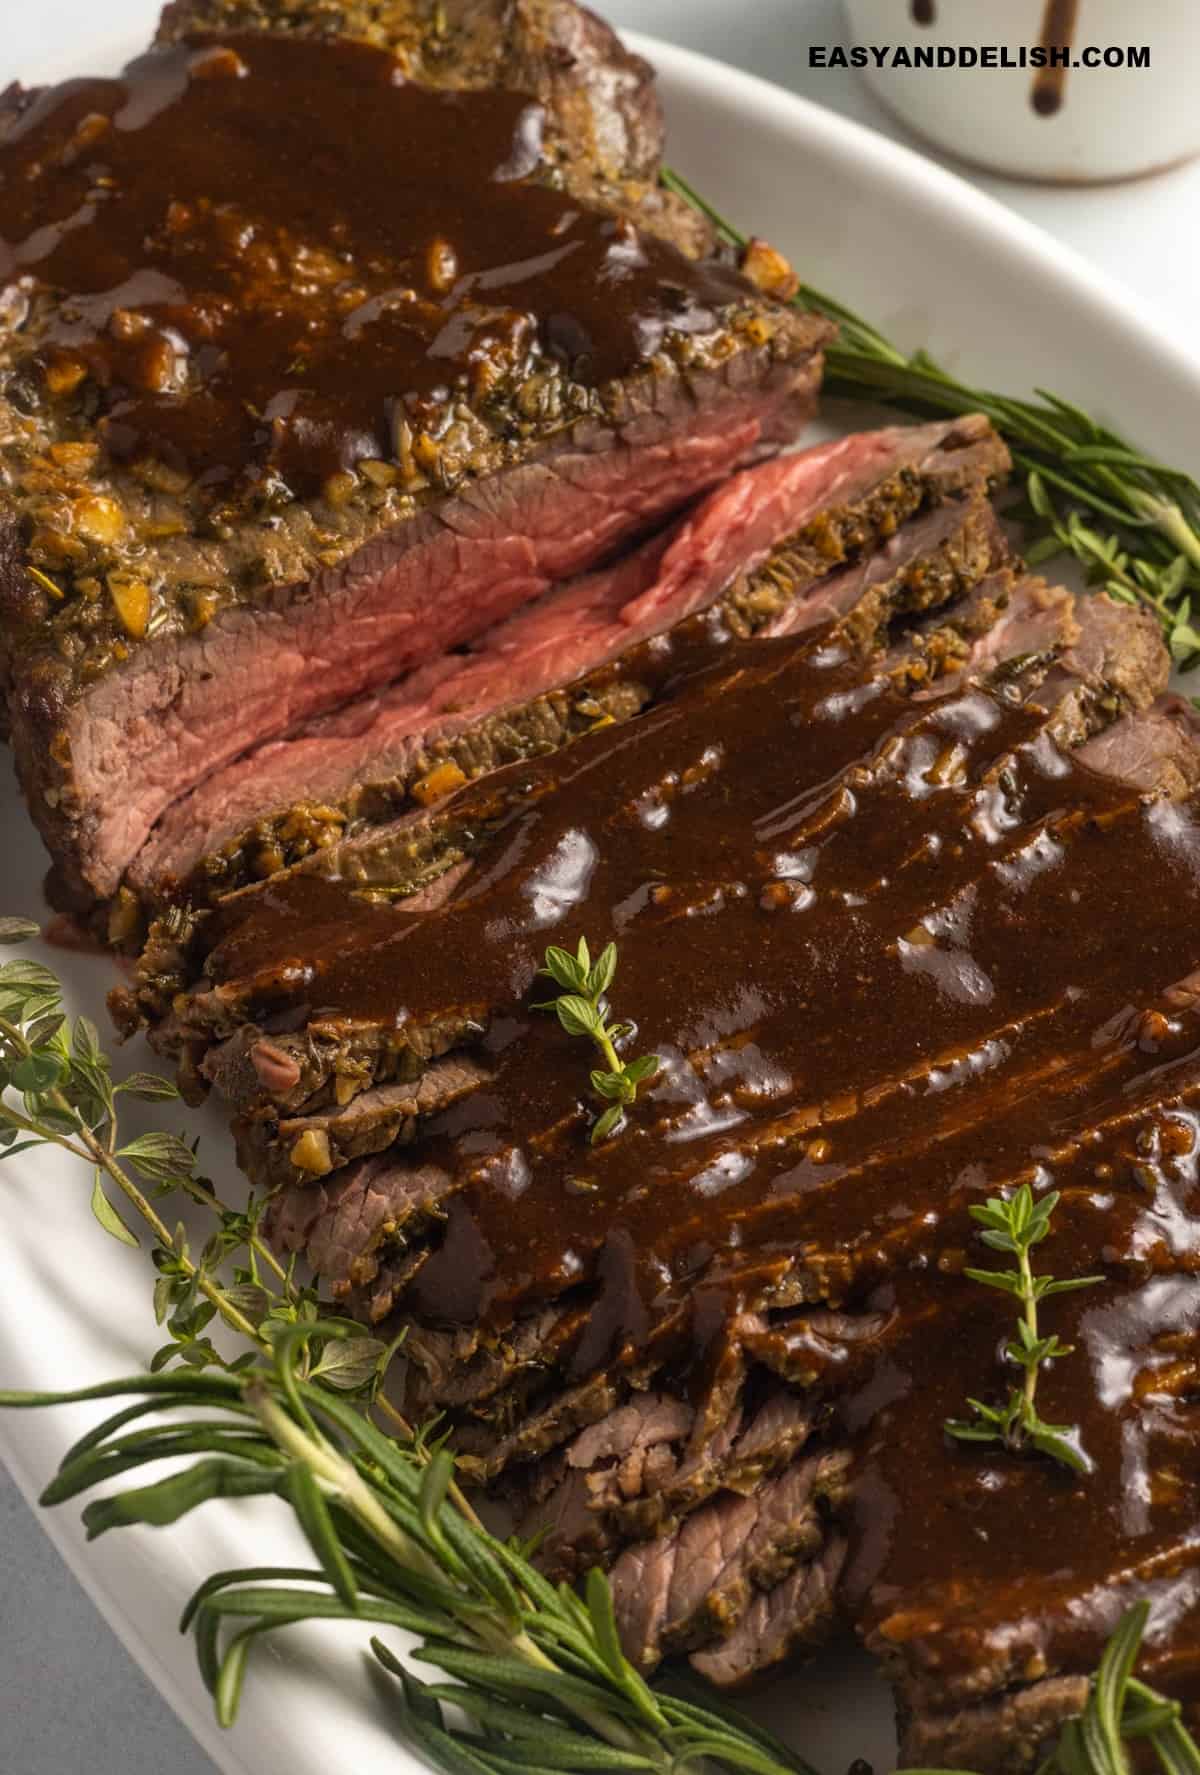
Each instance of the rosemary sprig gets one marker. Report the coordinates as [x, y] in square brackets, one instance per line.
[1016, 1225]
[582, 1009]
[1133, 523]
[536, 1668]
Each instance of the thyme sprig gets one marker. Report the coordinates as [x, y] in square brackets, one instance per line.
[1132, 522]
[57, 1089]
[1015, 1225]
[582, 1009]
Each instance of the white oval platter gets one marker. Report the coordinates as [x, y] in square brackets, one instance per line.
[934, 263]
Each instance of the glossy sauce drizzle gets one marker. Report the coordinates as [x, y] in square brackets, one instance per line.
[272, 251]
[845, 921]
[894, 955]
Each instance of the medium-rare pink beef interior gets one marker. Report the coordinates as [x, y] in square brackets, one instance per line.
[551, 640]
[149, 734]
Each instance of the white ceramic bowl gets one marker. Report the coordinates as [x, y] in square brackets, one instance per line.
[1111, 123]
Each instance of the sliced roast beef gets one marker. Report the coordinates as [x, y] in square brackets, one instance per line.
[464, 713]
[683, 1474]
[601, 105]
[567, 1499]
[981, 1643]
[303, 1070]
[339, 1227]
[483, 1454]
[319, 1051]
[1157, 750]
[1006, 1736]
[890, 1105]
[596, 1494]
[1097, 1082]
[931, 560]
[707, 1571]
[927, 717]
[1116, 1061]
[795, 1616]
[301, 1148]
[250, 486]
[461, 1367]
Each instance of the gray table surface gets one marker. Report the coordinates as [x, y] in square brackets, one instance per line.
[70, 1697]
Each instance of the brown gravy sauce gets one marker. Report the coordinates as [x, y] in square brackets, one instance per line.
[893, 956]
[1059, 22]
[271, 249]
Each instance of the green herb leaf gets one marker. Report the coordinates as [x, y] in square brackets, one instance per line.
[435, 1486]
[148, 1087]
[30, 977]
[108, 1217]
[160, 1158]
[1054, 1440]
[598, 1596]
[609, 1084]
[1002, 1279]
[577, 1015]
[312, 1512]
[601, 976]
[1107, 1701]
[18, 930]
[161, 1504]
[964, 1430]
[1047, 1285]
[582, 1011]
[44, 1030]
[349, 1363]
[647, 1067]
[1016, 1225]
[563, 968]
[606, 1123]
